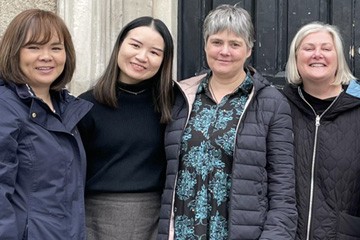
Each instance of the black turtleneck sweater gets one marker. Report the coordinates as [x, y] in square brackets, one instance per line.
[124, 145]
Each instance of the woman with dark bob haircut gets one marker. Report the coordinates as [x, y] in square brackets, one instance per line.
[123, 134]
[42, 159]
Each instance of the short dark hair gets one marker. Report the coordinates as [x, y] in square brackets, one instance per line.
[42, 25]
[105, 88]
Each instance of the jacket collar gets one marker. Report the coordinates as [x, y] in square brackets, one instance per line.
[189, 86]
[71, 109]
[348, 99]
[26, 94]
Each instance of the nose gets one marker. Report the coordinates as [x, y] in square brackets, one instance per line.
[225, 50]
[45, 56]
[141, 56]
[317, 54]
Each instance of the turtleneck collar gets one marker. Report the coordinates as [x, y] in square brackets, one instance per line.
[136, 88]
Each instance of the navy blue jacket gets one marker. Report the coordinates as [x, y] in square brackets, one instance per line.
[42, 166]
[262, 196]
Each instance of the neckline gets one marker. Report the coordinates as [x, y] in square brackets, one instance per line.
[135, 89]
[131, 92]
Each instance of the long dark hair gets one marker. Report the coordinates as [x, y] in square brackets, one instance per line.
[105, 88]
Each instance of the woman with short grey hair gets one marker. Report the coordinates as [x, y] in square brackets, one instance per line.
[229, 147]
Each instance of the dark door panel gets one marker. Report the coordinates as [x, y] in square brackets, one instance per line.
[356, 28]
[276, 22]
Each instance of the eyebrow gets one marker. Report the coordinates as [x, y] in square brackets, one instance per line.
[38, 43]
[230, 40]
[58, 43]
[325, 43]
[158, 49]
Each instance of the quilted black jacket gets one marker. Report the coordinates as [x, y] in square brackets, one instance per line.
[262, 197]
[327, 166]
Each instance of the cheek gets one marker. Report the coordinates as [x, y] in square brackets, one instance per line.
[300, 66]
[120, 60]
[302, 61]
[120, 57]
[23, 60]
[62, 59]
[333, 59]
[156, 63]
[211, 50]
[301, 58]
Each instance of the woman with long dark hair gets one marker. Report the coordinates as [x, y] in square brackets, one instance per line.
[123, 134]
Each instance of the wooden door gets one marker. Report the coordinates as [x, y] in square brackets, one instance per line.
[275, 23]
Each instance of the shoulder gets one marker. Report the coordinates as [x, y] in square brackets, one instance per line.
[353, 88]
[88, 95]
[4, 88]
[9, 97]
[270, 93]
[190, 83]
[12, 108]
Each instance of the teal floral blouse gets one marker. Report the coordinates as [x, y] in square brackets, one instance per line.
[204, 177]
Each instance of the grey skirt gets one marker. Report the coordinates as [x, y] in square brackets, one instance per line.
[122, 216]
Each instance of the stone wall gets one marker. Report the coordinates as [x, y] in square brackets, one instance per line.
[94, 26]
[10, 8]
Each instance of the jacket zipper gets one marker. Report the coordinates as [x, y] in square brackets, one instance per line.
[172, 217]
[313, 161]
[25, 234]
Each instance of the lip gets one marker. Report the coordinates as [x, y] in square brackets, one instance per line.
[137, 66]
[223, 60]
[45, 69]
[317, 65]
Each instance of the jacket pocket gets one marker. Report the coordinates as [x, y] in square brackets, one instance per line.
[348, 227]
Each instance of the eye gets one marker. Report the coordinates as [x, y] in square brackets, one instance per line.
[155, 53]
[57, 48]
[135, 45]
[216, 42]
[32, 47]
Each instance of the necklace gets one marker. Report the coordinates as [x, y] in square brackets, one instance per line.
[212, 93]
[131, 92]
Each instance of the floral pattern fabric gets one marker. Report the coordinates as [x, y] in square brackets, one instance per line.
[204, 177]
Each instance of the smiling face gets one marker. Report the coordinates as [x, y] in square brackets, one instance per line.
[42, 64]
[317, 58]
[140, 55]
[226, 54]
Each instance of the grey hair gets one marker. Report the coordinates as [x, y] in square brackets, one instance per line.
[231, 18]
[343, 73]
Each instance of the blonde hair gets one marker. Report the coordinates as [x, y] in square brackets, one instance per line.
[343, 73]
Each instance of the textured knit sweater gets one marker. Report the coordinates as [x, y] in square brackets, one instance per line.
[124, 145]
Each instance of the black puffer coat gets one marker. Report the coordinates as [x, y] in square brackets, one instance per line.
[262, 197]
[327, 165]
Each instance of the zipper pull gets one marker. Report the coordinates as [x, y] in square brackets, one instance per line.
[317, 121]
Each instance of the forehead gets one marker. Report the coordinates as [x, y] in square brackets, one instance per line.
[319, 37]
[227, 35]
[43, 36]
[146, 35]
